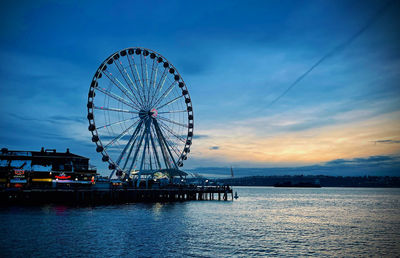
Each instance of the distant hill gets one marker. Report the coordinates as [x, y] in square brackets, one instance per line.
[324, 181]
[371, 166]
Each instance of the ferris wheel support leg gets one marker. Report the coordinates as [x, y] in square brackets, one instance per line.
[135, 136]
[146, 142]
[163, 151]
[125, 149]
[155, 151]
[137, 150]
[130, 140]
[166, 144]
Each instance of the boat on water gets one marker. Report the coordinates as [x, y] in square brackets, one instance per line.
[299, 184]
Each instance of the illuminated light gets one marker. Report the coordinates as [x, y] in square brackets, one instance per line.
[19, 171]
[63, 177]
[42, 180]
[18, 181]
[155, 112]
[64, 181]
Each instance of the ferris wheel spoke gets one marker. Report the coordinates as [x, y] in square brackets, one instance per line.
[168, 129]
[118, 98]
[169, 102]
[155, 71]
[132, 92]
[125, 90]
[163, 81]
[154, 90]
[140, 80]
[136, 70]
[171, 143]
[172, 122]
[158, 89]
[148, 83]
[151, 80]
[120, 135]
[137, 81]
[115, 110]
[165, 94]
[115, 123]
[144, 72]
[175, 150]
[172, 111]
[165, 142]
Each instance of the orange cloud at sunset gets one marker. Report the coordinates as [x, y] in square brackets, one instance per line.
[340, 141]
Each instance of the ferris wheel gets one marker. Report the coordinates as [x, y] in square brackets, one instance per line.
[140, 114]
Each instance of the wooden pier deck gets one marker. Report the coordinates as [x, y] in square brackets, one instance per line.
[114, 196]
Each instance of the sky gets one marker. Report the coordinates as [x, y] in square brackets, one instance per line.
[237, 59]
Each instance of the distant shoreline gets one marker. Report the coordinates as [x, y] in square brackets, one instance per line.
[324, 181]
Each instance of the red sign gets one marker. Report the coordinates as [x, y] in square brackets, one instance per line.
[62, 177]
[19, 172]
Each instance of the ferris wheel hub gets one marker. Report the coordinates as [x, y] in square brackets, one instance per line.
[143, 114]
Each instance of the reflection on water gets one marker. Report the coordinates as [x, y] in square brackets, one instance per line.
[263, 221]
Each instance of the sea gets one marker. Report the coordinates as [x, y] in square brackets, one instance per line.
[263, 221]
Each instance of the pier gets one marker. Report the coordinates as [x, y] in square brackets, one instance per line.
[114, 196]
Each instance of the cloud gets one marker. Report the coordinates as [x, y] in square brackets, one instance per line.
[50, 119]
[364, 161]
[214, 148]
[60, 118]
[248, 141]
[387, 141]
[109, 138]
[200, 136]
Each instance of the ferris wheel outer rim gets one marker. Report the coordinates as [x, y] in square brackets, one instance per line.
[92, 88]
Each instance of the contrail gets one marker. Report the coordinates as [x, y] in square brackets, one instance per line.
[337, 49]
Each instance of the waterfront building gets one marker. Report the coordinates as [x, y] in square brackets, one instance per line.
[46, 168]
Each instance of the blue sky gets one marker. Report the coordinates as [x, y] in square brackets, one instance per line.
[235, 56]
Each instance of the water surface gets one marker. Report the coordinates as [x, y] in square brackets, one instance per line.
[264, 221]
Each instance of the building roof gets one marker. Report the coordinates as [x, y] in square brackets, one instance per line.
[6, 154]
